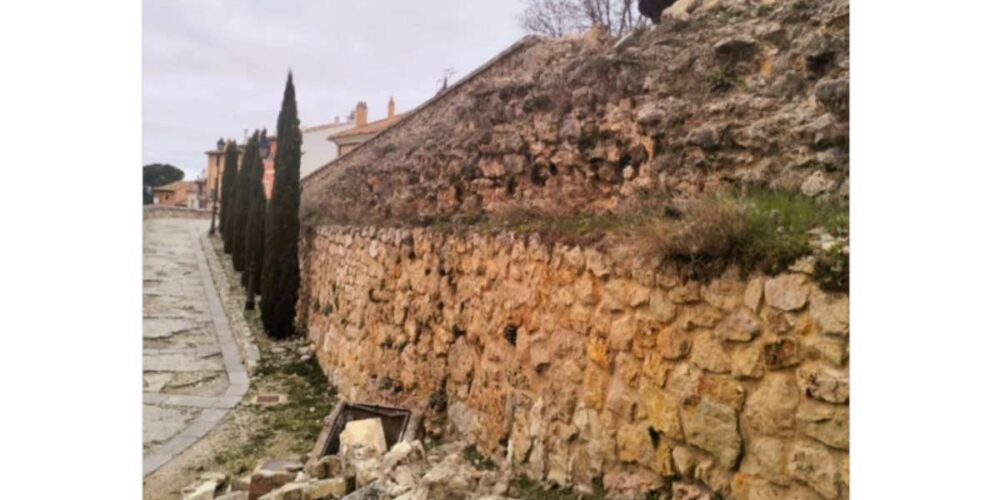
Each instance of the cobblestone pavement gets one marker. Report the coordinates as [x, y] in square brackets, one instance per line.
[192, 370]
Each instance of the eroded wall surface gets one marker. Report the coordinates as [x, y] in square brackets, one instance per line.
[576, 363]
[737, 93]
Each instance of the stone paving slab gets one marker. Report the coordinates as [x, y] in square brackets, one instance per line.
[188, 343]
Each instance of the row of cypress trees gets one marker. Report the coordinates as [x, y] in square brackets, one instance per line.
[263, 237]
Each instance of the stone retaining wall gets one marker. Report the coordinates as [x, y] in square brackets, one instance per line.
[162, 212]
[735, 94]
[575, 364]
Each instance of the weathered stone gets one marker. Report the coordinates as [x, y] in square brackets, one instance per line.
[364, 434]
[492, 168]
[735, 49]
[655, 368]
[272, 474]
[787, 292]
[234, 495]
[597, 351]
[685, 458]
[634, 445]
[662, 308]
[747, 361]
[465, 421]
[403, 452]
[708, 354]
[705, 137]
[824, 384]
[202, 490]
[814, 465]
[649, 114]
[622, 400]
[714, 476]
[661, 409]
[327, 466]
[448, 479]
[583, 289]
[713, 427]
[686, 293]
[725, 293]
[831, 313]
[699, 316]
[827, 349]
[290, 491]
[816, 184]
[827, 424]
[753, 294]
[684, 491]
[628, 368]
[781, 353]
[826, 131]
[596, 263]
[770, 409]
[672, 343]
[685, 383]
[631, 481]
[723, 390]
[662, 463]
[595, 383]
[749, 487]
[622, 331]
[835, 95]
[776, 322]
[740, 326]
[767, 457]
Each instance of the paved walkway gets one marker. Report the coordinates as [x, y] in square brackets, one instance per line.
[191, 367]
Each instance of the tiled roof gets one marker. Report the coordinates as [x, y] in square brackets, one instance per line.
[174, 186]
[370, 128]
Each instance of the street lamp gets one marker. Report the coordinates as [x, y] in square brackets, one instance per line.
[215, 203]
[265, 146]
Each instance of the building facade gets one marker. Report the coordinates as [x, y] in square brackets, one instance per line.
[185, 194]
[363, 130]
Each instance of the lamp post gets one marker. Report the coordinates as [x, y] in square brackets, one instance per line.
[215, 204]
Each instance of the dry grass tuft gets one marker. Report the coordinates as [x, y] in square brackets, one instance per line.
[763, 230]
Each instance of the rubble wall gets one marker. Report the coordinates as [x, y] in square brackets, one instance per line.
[735, 93]
[575, 364]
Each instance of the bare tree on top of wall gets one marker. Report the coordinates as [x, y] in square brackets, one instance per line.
[558, 18]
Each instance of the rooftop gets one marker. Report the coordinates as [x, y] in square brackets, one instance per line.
[371, 128]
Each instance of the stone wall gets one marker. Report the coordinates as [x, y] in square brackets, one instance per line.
[575, 364]
[164, 212]
[734, 93]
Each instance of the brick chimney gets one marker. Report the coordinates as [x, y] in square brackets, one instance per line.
[392, 107]
[361, 114]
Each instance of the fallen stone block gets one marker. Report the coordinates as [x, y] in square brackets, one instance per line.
[402, 453]
[366, 434]
[326, 488]
[202, 490]
[272, 474]
[290, 491]
[328, 466]
[234, 495]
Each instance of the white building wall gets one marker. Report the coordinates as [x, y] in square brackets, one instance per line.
[316, 150]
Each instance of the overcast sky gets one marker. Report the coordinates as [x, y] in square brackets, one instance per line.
[214, 68]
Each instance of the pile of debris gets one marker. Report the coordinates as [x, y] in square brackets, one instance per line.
[365, 468]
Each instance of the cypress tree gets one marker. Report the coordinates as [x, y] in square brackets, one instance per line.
[228, 185]
[256, 213]
[280, 290]
[238, 217]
